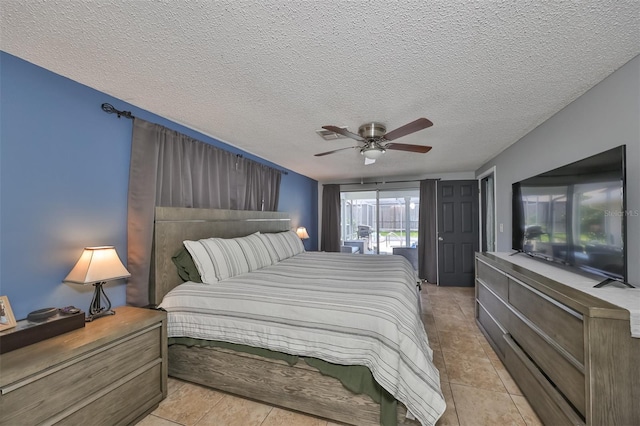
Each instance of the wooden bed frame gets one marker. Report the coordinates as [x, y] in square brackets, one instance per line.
[299, 387]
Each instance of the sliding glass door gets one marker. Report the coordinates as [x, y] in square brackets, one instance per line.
[358, 219]
[378, 221]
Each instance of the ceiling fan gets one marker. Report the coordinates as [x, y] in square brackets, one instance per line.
[376, 141]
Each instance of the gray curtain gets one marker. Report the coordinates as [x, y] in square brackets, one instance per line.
[256, 193]
[428, 232]
[330, 237]
[174, 170]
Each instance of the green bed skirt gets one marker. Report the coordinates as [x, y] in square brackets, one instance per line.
[356, 378]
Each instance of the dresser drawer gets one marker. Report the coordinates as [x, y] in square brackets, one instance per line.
[550, 405]
[560, 323]
[494, 279]
[568, 378]
[32, 400]
[494, 331]
[492, 303]
[122, 405]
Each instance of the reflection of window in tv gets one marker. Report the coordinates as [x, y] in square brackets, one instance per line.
[595, 217]
[545, 213]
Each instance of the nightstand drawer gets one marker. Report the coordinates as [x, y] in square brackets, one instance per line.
[37, 398]
[121, 405]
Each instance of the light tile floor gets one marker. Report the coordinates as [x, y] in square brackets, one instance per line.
[477, 387]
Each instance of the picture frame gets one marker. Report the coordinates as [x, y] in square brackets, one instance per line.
[7, 320]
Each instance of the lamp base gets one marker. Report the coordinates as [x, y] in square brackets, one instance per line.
[97, 310]
[104, 313]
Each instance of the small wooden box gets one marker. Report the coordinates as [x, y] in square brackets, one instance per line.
[29, 332]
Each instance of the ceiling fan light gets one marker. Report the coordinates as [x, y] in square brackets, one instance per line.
[373, 153]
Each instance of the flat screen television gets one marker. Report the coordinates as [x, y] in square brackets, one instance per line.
[575, 215]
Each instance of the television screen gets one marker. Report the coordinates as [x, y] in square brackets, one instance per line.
[575, 215]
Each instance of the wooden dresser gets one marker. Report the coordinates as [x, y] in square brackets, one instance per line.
[111, 372]
[571, 354]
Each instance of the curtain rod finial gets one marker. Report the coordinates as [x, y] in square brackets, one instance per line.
[109, 109]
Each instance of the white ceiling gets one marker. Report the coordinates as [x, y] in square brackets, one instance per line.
[265, 75]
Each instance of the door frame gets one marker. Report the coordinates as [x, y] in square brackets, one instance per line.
[490, 171]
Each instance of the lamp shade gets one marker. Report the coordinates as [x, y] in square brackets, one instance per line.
[97, 264]
[373, 153]
[302, 233]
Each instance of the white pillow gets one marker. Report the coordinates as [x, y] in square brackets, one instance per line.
[270, 249]
[293, 240]
[217, 258]
[285, 244]
[255, 251]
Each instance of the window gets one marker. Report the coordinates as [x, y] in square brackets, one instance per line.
[378, 220]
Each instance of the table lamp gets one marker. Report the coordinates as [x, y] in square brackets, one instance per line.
[302, 233]
[96, 266]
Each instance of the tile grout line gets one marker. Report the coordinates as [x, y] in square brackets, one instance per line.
[265, 417]
[476, 337]
[210, 408]
[496, 371]
[455, 406]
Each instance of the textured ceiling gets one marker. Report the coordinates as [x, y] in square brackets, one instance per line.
[265, 75]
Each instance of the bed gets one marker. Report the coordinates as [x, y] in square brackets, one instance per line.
[297, 307]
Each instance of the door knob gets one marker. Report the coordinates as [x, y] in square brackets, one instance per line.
[440, 239]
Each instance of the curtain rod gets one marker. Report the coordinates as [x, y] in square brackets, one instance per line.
[283, 171]
[109, 109]
[383, 182]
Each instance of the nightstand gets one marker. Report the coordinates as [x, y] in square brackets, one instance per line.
[112, 371]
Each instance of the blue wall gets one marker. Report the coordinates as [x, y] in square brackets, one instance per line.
[64, 170]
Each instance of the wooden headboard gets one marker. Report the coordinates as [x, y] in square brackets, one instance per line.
[173, 225]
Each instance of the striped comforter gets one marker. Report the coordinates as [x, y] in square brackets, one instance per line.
[342, 308]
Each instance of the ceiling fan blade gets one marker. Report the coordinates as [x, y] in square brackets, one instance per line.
[335, 150]
[406, 147]
[414, 126]
[343, 132]
[368, 161]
